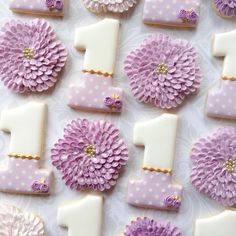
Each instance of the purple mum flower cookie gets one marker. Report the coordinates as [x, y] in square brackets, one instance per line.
[163, 71]
[214, 166]
[149, 227]
[30, 56]
[226, 8]
[90, 155]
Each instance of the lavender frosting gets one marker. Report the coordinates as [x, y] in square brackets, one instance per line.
[226, 8]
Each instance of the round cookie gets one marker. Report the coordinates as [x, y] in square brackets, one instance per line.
[214, 166]
[30, 56]
[163, 71]
[225, 8]
[90, 155]
[149, 227]
[114, 6]
[14, 222]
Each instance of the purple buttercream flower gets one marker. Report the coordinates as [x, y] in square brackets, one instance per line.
[36, 186]
[44, 188]
[90, 155]
[163, 71]
[59, 5]
[34, 56]
[182, 14]
[109, 101]
[172, 202]
[149, 227]
[50, 3]
[118, 104]
[226, 7]
[214, 166]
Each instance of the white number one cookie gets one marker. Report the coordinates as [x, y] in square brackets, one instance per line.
[83, 217]
[95, 91]
[219, 225]
[27, 126]
[155, 189]
[220, 101]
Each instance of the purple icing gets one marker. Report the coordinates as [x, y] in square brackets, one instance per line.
[59, 5]
[44, 188]
[172, 202]
[188, 16]
[163, 71]
[226, 7]
[90, 155]
[149, 227]
[34, 59]
[214, 163]
[50, 3]
[36, 186]
[109, 102]
[113, 103]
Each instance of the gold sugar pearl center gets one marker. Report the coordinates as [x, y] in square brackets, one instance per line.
[28, 53]
[230, 165]
[162, 69]
[90, 150]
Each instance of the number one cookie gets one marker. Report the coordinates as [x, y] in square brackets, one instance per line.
[221, 101]
[221, 224]
[95, 92]
[155, 189]
[83, 217]
[26, 125]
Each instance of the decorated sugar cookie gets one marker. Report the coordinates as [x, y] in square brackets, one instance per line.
[38, 7]
[163, 71]
[226, 8]
[95, 91]
[27, 127]
[220, 101]
[181, 13]
[214, 166]
[156, 188]
[90, 155]
[14, 222]
[30, 56]
[221, 224]
[149, 227]
[83, 217]
[114, 6]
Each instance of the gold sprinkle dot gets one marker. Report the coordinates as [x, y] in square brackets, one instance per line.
[230, 165]
[90, 150]
[162, 69]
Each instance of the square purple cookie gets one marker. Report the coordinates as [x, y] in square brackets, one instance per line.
[181, 13]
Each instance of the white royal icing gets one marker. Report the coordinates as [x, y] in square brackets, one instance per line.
[26, 125]
[224, 46]
[83, 217]
[219, 225]
[100, 42]
[158, 136]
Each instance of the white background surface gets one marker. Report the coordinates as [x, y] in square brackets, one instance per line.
[193, 122]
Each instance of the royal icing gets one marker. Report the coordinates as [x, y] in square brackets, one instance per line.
[117, 6]
[150, 227]
[221, 224]
[34, 56]
[155, 189]
[220, 100]
[90, 155]
[214, 166]
[100, 43]
[26, 125]
[83, 217]
[226, 8]
[183, 13]
[163, 71]
[39, 7]
[15, 222]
